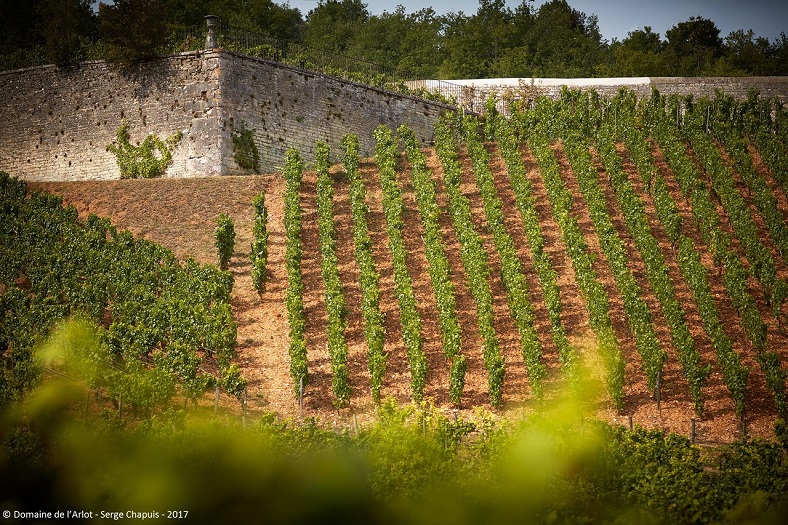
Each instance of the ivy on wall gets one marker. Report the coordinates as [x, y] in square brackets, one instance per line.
[245, 150]
[146, 161]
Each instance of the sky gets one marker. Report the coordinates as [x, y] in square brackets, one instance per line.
[767, 18]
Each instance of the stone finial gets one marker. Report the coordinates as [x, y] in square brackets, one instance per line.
[210, 40]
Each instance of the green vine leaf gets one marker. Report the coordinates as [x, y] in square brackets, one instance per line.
[146, 161]
[245, 150]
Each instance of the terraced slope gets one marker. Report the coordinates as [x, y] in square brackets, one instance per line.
[179, 213]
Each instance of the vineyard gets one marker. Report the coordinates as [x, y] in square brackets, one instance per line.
[645, 240]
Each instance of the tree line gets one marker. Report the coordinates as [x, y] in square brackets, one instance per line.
[553, 40]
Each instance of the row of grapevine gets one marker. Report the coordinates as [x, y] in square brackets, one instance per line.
[656, 271]
[510, 151]
[734, 374]
[474, 258]
[734, 276]
[438, 263]
[582, 262]
[763, 122]
[761, 194]
[639, 147]
[757, 188]
[775, 156]
[369, 278]
[640, 321]
[294, 298]
[150, 314]
[335, 301]
[512, 275]
[694, 273]
[386, 159]
[259, 249]
[708, 223]
[744, 228]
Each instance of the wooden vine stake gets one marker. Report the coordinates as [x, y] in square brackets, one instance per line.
[216, 402]
[243, 406]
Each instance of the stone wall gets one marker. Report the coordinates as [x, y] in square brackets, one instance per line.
[56, 124]
[472, 93]
[290, 107]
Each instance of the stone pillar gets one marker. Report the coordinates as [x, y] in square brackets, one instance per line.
[210, 40]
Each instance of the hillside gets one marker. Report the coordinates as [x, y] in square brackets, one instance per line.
[179, 214]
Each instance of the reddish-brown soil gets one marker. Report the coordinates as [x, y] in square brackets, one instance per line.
[179, 214]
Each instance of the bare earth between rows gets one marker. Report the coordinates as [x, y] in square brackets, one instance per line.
[179, 213]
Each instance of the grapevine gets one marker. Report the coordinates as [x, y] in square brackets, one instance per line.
[440, 274]
[512, 274]
[474, 259]
[385, 156]
[335, 301]
[369, 277]
[294, 297]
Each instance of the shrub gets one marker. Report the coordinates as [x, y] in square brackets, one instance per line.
[224, 237]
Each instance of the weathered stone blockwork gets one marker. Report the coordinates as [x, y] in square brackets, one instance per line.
[56, 124]
[475, 91]
[290, 107]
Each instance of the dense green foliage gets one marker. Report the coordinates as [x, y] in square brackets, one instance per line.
[156, 316]
[245, 152]
[551, 40]
[142, 161]
[408, 465]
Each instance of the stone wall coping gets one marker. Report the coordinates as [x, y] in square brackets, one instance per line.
[218, 52]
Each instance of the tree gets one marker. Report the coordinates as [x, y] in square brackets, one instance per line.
[693, 45]
[747, 54]
[564, 42]
[333, 23]
[61, 25]
[134, 30]
[475, 43]
[644, 40]
[409, 43]
[639, 54]
[17, 25]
